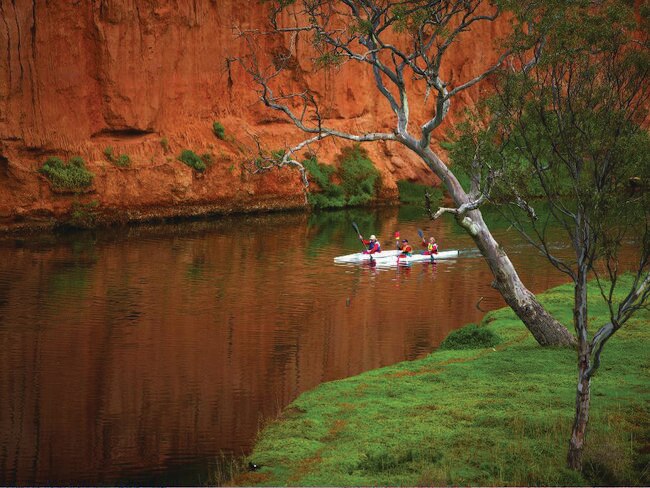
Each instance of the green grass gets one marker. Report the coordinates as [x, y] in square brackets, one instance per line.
[72, 176]
[499, 415]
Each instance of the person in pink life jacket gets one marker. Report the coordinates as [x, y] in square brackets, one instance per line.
[432, 246]
[373, 244]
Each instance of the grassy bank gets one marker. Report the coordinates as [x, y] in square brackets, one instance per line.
[499, 415]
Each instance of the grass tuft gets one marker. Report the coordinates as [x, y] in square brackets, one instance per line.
[470, 337]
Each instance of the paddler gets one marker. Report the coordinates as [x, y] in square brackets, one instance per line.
[432, 246]
[405, 247]
[372, 243]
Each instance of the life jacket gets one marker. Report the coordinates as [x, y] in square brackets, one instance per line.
[407, 249]
[432, 248]
[373, 248]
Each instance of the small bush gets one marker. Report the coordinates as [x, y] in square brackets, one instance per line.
[332, 195]
[123, 161]
[193, 160]
[84, 215]
[359, 177]
[470, 337]
[164, 143]
[219, 130]
[108, 152]
[413, 193]
[359, 180]
[71, 177]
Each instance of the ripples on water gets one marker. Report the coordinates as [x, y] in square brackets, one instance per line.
[137, 355]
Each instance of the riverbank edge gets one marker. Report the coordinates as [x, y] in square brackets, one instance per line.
[494, 416]
[105, 217]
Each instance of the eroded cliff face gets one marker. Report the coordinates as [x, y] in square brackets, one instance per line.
[148, 78]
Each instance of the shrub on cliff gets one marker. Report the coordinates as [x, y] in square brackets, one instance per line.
[413, 193]
[123, 160]
[358, 175]
[72, 176]
[194, 161]
[219, 130]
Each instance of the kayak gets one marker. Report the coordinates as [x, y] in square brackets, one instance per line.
[389, 258]
[360, 257]
[417, 258]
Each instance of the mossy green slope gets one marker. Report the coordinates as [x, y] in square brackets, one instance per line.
[495, 416]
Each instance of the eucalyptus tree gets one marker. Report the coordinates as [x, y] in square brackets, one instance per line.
[405, 44]
[570, 136]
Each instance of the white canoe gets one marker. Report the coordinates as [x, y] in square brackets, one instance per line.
[389, 258]
[417, 258]
[360, 257]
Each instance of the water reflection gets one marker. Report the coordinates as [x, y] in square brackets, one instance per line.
[140, 354]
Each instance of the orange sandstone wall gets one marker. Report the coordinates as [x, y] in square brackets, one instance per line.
[78, 76]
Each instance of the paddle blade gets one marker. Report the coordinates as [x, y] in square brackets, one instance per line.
[421, 234]
[356, 228]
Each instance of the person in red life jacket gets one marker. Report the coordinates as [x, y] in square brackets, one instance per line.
[373, 244]
[405, 247]
[432, 246]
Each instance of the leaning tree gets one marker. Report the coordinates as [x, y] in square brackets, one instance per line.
[405, 44]
[570, 137]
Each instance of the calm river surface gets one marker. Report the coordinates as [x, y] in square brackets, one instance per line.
[138, 355]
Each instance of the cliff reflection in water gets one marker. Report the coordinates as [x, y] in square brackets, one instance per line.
[123, 353]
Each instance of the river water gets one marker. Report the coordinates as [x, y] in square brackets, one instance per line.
[137, 355]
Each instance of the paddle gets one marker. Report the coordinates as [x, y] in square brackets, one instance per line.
[421, 234]
[356, 227]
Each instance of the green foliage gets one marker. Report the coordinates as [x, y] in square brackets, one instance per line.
[332, 194]
[123, 161]
[84, 215]
[411, 424]
[414, 193]
[67, 177]
[194, 161]
[219, 130]
[108, 153]
[470, 337]
[359, 180]
[328, 60]
[359, 177]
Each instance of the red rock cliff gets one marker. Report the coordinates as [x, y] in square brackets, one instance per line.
[148, 78]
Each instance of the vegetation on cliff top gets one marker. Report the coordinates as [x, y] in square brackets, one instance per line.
[492, 416]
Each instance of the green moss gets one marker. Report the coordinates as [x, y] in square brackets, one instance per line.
[471, 416]
[470, 337]
[72, 176]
